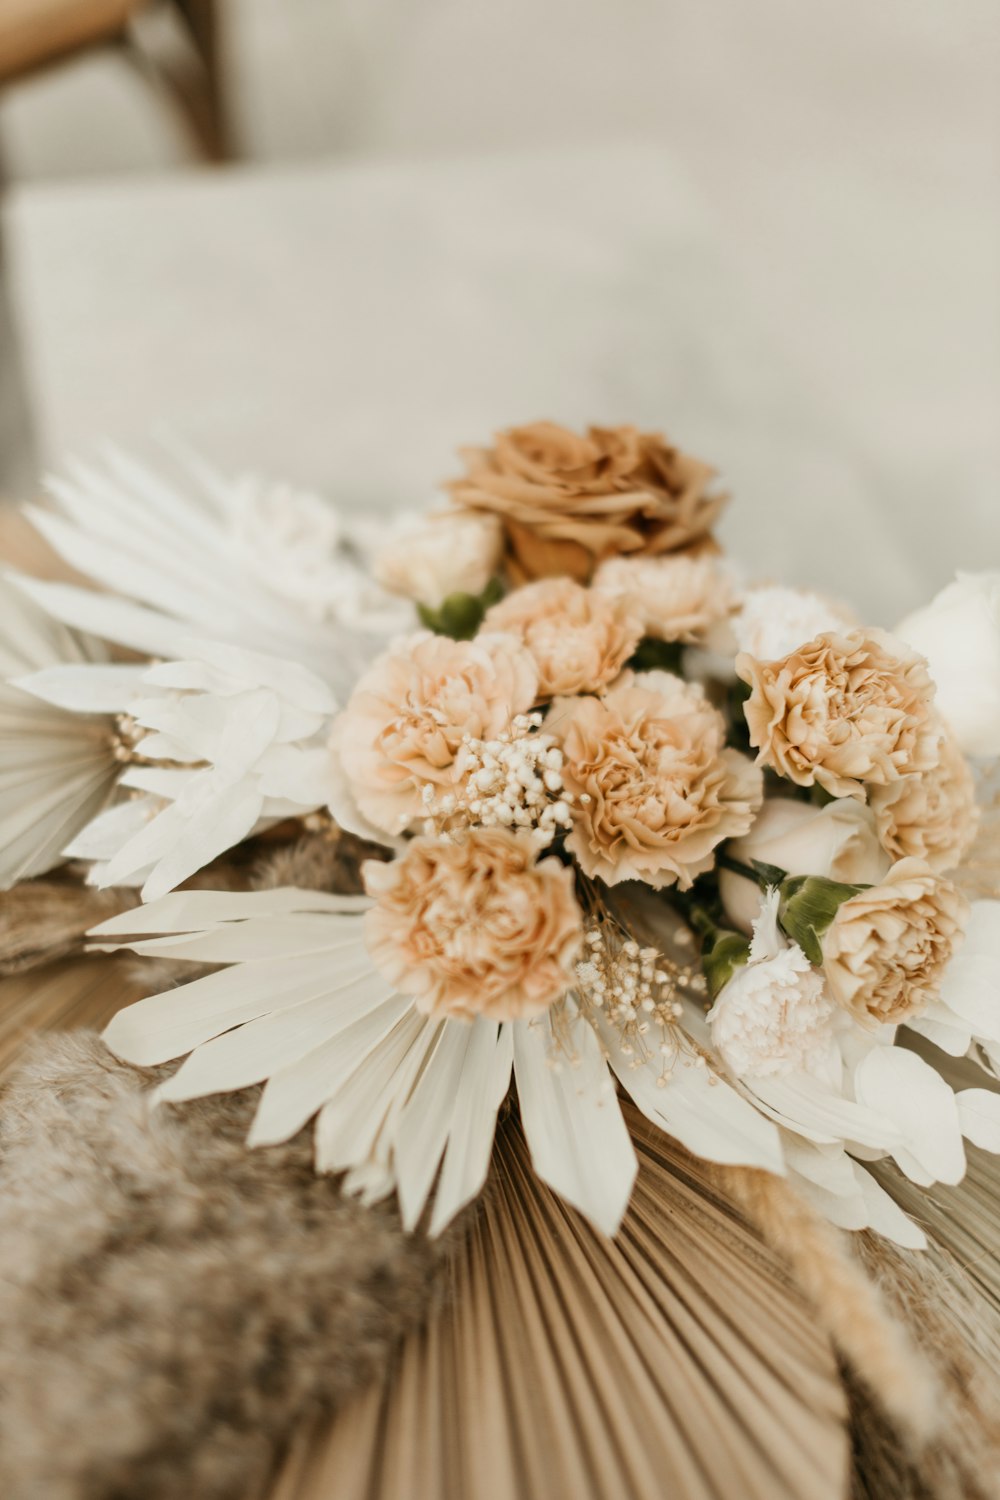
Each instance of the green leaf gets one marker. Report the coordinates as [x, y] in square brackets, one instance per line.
[461, 615]
[652, 655]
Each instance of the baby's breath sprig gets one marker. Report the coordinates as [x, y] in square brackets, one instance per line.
[514, 781]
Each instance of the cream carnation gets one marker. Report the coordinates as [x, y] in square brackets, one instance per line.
[579, 639]
[292, 540]
[403, 725]
[475, 927]
[886, 950]
[655, 787]
[842, 710]
[675, 598]
[931, 816]
[427, 559]
[773, 1016]
[772, 621]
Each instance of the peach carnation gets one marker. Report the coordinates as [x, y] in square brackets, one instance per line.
[656, 788]
[579, 639]
[886, 950]
[675, 598]
[474, 927]
[844, 710]
[568, 500]
[403, 725]
[931, 816]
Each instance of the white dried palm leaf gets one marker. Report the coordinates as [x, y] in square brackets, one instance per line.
[56, 767]
[213, 557]
[302, 1009]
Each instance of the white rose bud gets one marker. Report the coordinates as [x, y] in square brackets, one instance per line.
[774, 621]
[429, 558]
[959, 633]
[838, 841]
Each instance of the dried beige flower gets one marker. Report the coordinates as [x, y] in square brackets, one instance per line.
[403, 725]
[886, 949]
[844, 710]
[655, 788]
[579, 639]
[675, 598]
[475, 927]
[933, 815]
[568, 500]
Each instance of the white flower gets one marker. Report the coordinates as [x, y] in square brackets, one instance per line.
[216, 744]
[838, 841]
[170, 565]
[959, 633]
[773, 1016]
[774, 621]
[56, 768]
[429, 557]
[398, 1095]
[294, 542]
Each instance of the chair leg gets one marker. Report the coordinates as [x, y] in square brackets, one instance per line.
[202, 20]
[194, 80]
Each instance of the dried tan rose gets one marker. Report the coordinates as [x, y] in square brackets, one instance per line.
[403, 724]
[676, 598]
[580, 640]
[845, 710]
[568, 500]
[933, 815]
[474, 927]
[656, 788]
[886, 950]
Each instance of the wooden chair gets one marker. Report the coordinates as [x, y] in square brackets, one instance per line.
[39, 34]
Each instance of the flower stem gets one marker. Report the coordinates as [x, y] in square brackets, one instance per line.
[727, 862]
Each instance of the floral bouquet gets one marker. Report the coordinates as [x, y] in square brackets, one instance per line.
[634, 826]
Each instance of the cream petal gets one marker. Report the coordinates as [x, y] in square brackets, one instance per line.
[577, 1136]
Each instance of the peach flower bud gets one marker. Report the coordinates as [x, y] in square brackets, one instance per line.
[675, 598]
[579, 639]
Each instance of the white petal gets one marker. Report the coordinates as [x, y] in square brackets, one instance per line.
[481, 1090]
[802, 1104]
[698, 1108]
[168, 1025]
[88, 688]
[578, 1139]
[354, 1129]
[915, 1096]
[295, 1093]
[422, 1130]
[885, 1215]
[260, 1048]
[196, 911]
[979, 1116]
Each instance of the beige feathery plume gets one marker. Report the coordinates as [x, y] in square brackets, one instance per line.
[849, 1305]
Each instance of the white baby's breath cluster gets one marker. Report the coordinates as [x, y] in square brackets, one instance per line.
[514, 781]
[636, 990]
